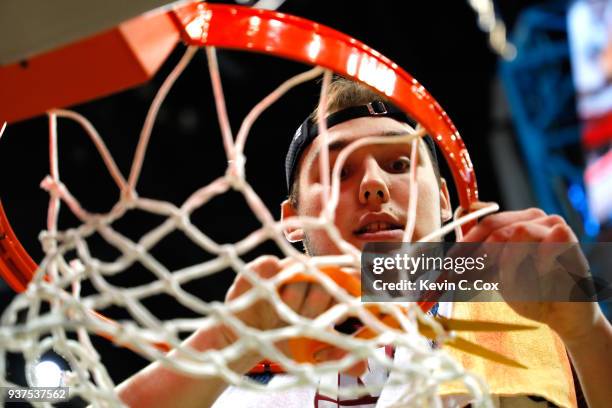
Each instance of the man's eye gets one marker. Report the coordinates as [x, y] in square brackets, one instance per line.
[399, 165]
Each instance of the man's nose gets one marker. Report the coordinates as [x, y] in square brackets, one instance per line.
[373, 189]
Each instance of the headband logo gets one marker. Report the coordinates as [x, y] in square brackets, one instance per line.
[376, 108]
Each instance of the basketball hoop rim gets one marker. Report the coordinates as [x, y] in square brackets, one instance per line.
[299, 39]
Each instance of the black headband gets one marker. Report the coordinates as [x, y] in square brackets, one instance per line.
[308, 131]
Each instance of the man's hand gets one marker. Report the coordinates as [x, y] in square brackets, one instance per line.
[572, 321]
[306, 299]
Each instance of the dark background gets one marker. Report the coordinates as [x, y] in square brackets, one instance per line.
[437, 41]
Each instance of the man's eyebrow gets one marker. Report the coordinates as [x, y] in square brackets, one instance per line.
[332, 147]
[394, 133]
[342, 143]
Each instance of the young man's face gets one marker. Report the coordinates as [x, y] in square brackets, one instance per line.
[374, 188]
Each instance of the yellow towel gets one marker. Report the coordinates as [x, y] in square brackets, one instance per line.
[549, 374]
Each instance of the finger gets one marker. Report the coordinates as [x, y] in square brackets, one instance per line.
[316, 302]
[294, 294]
[264, 266]
[525, 231]
[517, 272]
[499, 220]
[504, 232]
[558, 240]
[518, 247]
[561, 233]
[512, 253]
[561, 260]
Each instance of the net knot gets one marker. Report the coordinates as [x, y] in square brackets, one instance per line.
[125, 333]
[53, 187]
[235, 171]
[48, 241]
[228, 251]
[129, 196]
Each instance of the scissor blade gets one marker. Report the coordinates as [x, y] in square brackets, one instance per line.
[473, 348]
[479, 325]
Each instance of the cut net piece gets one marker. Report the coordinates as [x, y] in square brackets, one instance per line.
[59, 317]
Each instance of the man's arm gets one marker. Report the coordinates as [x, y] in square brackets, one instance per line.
[582, 327]
[158, 386]
[591, 354]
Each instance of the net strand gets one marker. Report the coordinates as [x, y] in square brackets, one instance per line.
[414, 192]
[224, 124]
[103, 151]
[266, 102]
[145, 134]
[324, 136]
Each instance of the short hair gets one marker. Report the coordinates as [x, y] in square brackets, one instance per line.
[343, 93]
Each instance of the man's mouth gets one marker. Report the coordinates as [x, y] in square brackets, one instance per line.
[377, 227]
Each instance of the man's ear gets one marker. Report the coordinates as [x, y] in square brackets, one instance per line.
[293, 234]
[446, 211]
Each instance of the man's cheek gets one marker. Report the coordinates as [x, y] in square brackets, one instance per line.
[429, 197]
[314, 203]
[400, 189]
[428, 209]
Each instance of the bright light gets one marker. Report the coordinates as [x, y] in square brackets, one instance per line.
[351, 64]
[198, 27]
[275, 23]
[254, 25]
[314, 47]
[376, 74]
[47, 374]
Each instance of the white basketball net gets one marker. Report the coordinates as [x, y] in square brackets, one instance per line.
[52, 314]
